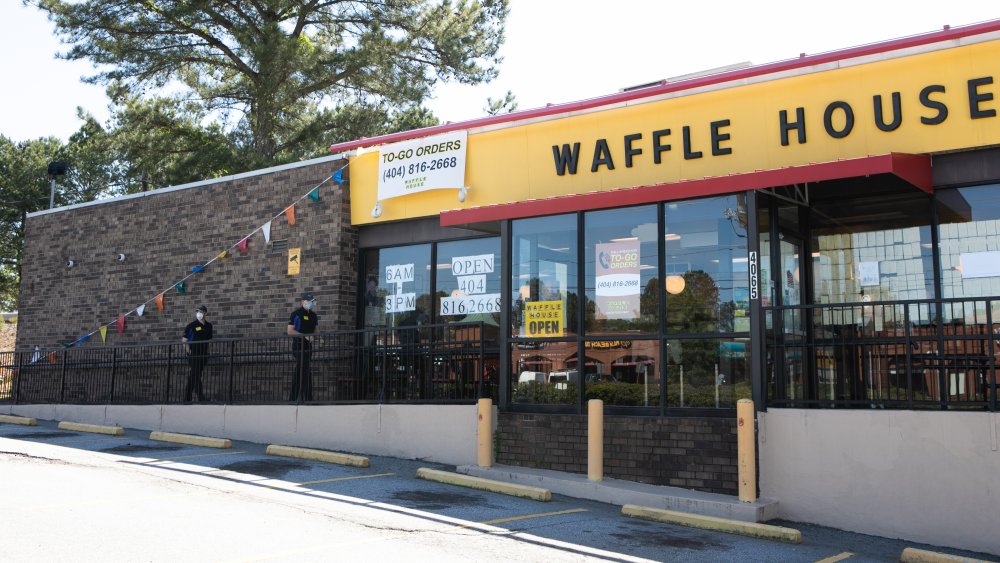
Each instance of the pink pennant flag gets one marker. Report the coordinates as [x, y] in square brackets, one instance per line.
[242, 245]
[121, 324]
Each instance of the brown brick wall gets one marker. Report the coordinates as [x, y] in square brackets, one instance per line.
[694, 453]
[164, 235]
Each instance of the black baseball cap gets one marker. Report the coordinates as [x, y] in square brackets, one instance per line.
[305, 297]
[202, 308]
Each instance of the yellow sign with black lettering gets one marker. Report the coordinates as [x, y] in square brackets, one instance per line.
[922, 103]
[543, 319]
[294, 261]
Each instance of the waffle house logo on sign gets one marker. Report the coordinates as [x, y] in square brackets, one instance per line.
[543, 319]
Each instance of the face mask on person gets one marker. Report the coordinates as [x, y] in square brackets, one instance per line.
[199, 315]
[308, 305]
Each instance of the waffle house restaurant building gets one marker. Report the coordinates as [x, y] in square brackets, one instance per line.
[821, 235]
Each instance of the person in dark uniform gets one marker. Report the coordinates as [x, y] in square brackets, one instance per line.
[301, 326]
[196, 335]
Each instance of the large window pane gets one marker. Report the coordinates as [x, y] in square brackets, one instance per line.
[872, 248]
[621, 258]
[970, 241]
[623, 372]
[544, 373]
[710, 372]
[398, 286]
[706, 284]
[468, 281]
[544, 280]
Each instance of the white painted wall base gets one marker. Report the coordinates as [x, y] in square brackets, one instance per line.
[932, 477]
[438, 433]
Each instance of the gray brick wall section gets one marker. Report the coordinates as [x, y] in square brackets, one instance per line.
[694, 453]
[164, 235]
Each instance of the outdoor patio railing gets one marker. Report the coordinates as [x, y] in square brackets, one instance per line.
[444, 363]
[939, 354]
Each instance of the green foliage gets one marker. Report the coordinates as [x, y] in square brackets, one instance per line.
[285, 76]
[624, 394]
[25, 188]
[506, 104]
[545, 393]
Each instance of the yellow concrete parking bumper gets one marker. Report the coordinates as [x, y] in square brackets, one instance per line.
[191, 440]
[911, 555]
[12, 419]
[513, 489]
[740, 527]
[92, 428]
[318, 455]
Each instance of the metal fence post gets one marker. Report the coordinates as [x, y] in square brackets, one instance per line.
[232, 369]
[170, 366]
[62, 379]
[482, 362]
[114, 371]
[19, 360]
[991, 367]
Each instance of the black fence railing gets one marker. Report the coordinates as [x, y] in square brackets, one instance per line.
[939, 354]
[419, 364]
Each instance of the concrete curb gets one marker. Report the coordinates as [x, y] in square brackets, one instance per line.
[912, 555]
[740, 527]
[318, 455]
[523, 491]
[191, 440]
[14, 419]
[92, 428]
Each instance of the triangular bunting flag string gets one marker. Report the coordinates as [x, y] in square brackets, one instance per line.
[242, 245]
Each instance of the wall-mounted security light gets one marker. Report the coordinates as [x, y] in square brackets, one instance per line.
[70, 263]
[120, 256]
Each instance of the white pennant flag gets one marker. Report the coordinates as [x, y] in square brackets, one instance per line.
[140, 309]
[267, 232]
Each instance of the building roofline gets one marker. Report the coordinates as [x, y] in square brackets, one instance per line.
[946, 34]
[200, 183]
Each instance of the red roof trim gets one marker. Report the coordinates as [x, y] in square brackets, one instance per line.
[945, 34]
[915, 169]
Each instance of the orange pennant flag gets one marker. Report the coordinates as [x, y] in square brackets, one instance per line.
[159, 302]
[52, 357]
[290, 213]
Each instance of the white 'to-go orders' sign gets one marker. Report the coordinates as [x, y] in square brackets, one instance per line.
[430, 163]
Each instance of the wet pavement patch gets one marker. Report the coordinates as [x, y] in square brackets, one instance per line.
[427, 500]
[134, 448]
[655, 536]
[43, 435]
[273, 468]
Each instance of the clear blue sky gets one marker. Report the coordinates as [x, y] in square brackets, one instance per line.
[556, 50]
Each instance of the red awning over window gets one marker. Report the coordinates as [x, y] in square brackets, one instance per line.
[914, 169]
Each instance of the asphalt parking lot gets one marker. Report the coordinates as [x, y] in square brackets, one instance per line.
[574, 527]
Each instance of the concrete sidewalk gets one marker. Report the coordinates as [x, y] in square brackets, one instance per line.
[614, 491]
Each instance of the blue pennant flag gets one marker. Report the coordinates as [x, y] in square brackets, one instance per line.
[338, 176]
[197, 269]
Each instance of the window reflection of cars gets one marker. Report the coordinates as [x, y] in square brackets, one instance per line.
[561, 378]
